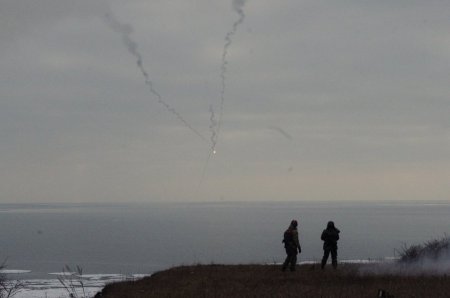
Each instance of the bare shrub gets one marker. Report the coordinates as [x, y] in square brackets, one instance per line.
[8, 287]
[429, 250]
[73, 282]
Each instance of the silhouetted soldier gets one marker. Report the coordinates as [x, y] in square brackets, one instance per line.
[330, 236]
[291, 244]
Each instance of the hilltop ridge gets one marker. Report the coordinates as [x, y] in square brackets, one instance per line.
[269, 281]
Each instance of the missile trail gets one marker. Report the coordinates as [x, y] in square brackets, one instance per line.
[215, 125]
[125, 30]
[238, 6]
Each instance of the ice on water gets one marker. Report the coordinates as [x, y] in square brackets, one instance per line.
[52, 288]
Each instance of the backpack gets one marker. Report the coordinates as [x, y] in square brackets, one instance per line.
[288, 237]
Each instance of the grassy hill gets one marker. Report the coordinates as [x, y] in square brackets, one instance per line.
[269, 281]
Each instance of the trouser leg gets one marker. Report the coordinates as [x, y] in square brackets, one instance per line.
[326, 253]
[293, 262]
[334, 258]
[291, 259]
[286, 262]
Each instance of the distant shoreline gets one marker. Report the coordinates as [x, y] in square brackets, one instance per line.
[118, 276]
[44, 204]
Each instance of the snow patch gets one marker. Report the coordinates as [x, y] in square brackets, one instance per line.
[14, 271]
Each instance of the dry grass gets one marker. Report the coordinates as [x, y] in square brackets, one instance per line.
[269, 281]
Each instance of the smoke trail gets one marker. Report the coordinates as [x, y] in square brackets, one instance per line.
[238, 6]
[215, 125]
[281, 131]
[125, 30]
[212, 128]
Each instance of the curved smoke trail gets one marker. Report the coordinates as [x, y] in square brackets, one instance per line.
[238, 6]
[215, 125]
[125, 30]
[281, 131]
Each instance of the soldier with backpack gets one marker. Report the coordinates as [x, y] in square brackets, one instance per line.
[330, 236]
[291, 244]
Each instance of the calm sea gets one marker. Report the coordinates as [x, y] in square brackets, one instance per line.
[144, 238]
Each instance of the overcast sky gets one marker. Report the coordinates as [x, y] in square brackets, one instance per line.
[324, 100]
